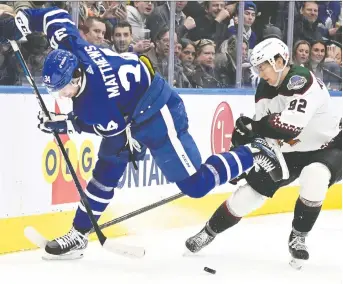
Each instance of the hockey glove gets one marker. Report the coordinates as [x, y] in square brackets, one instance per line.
[8, 28]
[59, 123]
[243, 133]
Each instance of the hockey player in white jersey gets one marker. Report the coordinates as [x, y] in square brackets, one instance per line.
[293, 107]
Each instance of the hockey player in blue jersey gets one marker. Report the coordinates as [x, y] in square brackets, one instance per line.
[119, 97]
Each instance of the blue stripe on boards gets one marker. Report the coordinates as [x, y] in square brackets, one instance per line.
[18, 90]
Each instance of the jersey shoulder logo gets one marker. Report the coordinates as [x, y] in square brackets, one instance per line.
[90, 70]
[296, 82]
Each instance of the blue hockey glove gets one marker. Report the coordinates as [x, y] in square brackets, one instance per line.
[8, 28]
[243, 133]
[59, 123]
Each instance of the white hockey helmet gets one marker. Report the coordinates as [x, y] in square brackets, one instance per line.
[267, 50]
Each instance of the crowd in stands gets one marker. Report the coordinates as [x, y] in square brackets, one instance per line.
[205, 37]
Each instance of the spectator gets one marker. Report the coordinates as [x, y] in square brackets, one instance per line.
[317, 56]
[35, 64]
[122, 37]
[333, 64]
[83, 14]
[301, 52]
[187, 57]
[60, 4]
[281, 15]
[161, 17]
[123, 41]
[22, 5]
[115, 12]
[7, 8]
[338, 56]
[194, 9]
[93, 30]
[271, 31]
[328, 13]
[88, 9]
[249, 19]
[93, 8]
[197, 9]
[137, 14]
[9, 71]
[338, 36]
[159, 58]
[205, 75]
[306, 25]
[333, 54]
[330, 73]
[267, 12]
[178, 48]
[226, 62]
[213, 24]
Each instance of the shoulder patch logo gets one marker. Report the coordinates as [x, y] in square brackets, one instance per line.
[296, 82]
[90, 70]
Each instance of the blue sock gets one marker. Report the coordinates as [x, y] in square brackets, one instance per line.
[98, 196]
[229, 165]
[218, 169]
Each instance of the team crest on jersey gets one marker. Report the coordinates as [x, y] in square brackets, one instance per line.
[108, 130]
[110, 126]
[296, 82]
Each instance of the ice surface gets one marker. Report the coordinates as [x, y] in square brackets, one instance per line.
[255, 251]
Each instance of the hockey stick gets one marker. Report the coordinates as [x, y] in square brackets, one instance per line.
[102, 238]
[40, 241]
[139, 211]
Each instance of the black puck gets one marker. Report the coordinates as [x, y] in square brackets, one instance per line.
[210, 270]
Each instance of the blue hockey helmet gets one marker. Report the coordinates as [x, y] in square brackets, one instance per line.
[58, 70]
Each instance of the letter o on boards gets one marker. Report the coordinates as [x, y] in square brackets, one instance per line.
[51, 162]
[86, 159]
[72, 154]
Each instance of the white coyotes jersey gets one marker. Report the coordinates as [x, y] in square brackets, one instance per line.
[305, 106]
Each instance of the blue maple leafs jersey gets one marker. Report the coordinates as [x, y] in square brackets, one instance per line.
[112, 83]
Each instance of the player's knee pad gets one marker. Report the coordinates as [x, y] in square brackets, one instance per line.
[245, 200]
[108, 173]
[314, 182]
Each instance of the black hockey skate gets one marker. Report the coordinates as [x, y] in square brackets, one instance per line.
[200, 240]
[266, 158]
[69, 246]
[298, 249]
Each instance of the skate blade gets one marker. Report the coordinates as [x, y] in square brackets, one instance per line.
[68, 256]
[35, 237]
[297, 263]
[110, 245]
[187, 253]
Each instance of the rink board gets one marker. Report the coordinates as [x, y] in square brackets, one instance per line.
[36, 188]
